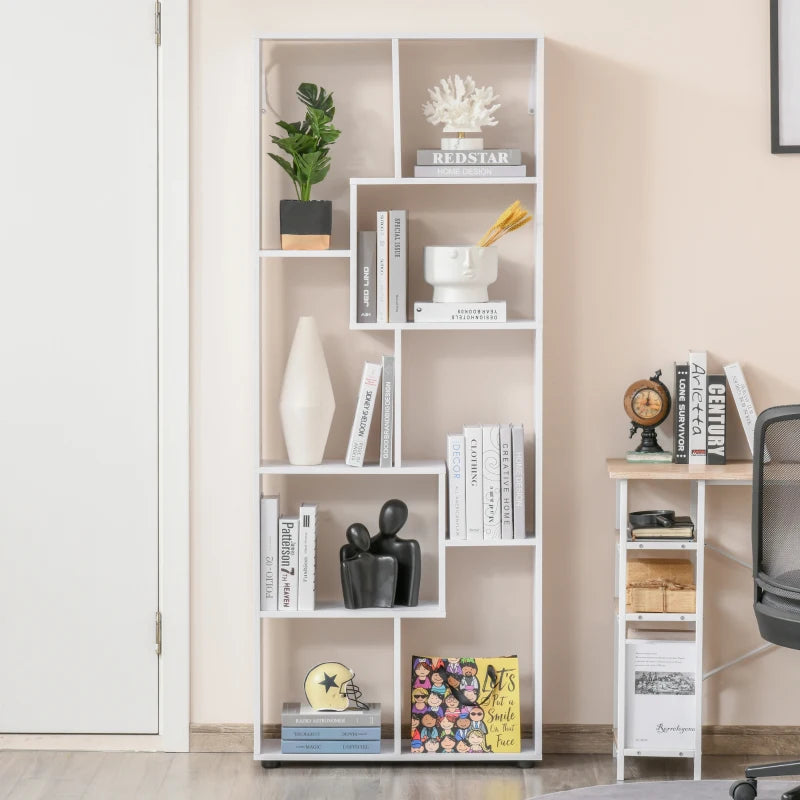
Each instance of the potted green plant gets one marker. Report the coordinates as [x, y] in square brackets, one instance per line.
[306, 223]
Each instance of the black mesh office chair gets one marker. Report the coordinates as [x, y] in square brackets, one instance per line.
[776, 554]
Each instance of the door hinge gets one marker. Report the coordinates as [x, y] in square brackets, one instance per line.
[158, 23]
[158, 633]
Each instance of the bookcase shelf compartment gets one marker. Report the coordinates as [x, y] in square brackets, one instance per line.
[528, 541]
[418, 467]
[333, 610]
[526, 181]
[511, 325]
[304, 254]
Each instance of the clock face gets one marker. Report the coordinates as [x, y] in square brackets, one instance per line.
[647, 402]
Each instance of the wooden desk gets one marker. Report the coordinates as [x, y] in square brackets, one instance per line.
[737, 473]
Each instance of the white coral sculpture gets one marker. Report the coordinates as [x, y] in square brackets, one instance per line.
[461, 105]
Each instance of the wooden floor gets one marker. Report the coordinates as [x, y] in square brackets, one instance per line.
[36, 775]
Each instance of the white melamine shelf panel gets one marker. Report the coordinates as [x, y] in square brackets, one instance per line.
[271, 751]
[340, 468]
[661, 617]
[661, 545]
[512, 325]
[337, 610]
[304, 254]
[528, 541]
[440, 181]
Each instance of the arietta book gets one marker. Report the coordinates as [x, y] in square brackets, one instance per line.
[465, 705]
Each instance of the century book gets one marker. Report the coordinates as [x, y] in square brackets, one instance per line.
[716, 438]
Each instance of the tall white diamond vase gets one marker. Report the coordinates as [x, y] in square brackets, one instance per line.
[306, 403]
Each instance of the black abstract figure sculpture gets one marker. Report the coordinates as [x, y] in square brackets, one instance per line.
[406, 551]
[368, 581]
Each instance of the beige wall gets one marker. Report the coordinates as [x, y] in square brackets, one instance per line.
[659, 178]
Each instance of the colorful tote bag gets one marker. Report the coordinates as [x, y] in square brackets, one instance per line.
[465, 705]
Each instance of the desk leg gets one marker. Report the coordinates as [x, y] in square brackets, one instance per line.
[699, 515]
[622, 571]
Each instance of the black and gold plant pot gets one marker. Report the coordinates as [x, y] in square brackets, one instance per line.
[306, 224]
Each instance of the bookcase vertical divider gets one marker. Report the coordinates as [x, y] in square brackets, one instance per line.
[398, 140]
[353, 253]
[398, 397]
[398, 684]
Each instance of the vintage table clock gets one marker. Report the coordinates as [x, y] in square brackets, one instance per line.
[648, 404]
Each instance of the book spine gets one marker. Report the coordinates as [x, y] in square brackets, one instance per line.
[398, 265]
[269, 553]
[371, 732]
[698, 369]
[471, 172]
[306, 591]
[359, 433]
[320, 720]
[443, 158]
[681, 443]
[382, 267]
[367, 267]
[456, 486]
[518, 479]
[492, 526]
[744, 403]
[367, 748]
[387, 410]
[460, 312]
[716, 438]
[473, 437]
[506, 488]
[287, 575]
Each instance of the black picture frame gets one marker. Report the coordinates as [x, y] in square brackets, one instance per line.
[775, 84]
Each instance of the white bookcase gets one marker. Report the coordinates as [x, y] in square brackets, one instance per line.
[379, 85]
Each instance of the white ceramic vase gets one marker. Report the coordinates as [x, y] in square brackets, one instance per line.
[460, 274]
[306, 403]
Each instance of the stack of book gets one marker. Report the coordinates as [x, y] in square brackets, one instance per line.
[373, 375]
[502, 163]
[382, 262]
[288, 557]
[701, 410]
[486, 483]
[304, 730]
[681, 528]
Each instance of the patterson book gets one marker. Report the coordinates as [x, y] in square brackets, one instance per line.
[307, 557]
[367, 266]
[744, 403]
[471, 171]
[269, 553]
[473, 436]
[302, 715]
[698, 370]
[456, 486]
[387, 410]
[450, 158]
[681, 432]
[398, 265]
[356, 447]
[716, 439]
[288, 528]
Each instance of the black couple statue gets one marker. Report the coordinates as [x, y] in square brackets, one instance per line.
[382, 571]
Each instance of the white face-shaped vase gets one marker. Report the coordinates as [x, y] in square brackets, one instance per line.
[460, 274]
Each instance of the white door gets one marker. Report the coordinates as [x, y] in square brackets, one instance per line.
[78, 367]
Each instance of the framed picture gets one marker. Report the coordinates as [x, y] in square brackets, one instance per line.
[785, 75]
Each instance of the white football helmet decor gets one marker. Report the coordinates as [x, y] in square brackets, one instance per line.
[329, 687]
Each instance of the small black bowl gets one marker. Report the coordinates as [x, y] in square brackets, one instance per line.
[652, 519]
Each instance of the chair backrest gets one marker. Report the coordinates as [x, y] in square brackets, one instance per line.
[776, 524]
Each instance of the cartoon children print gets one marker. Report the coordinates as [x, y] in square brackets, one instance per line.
[445, 714]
